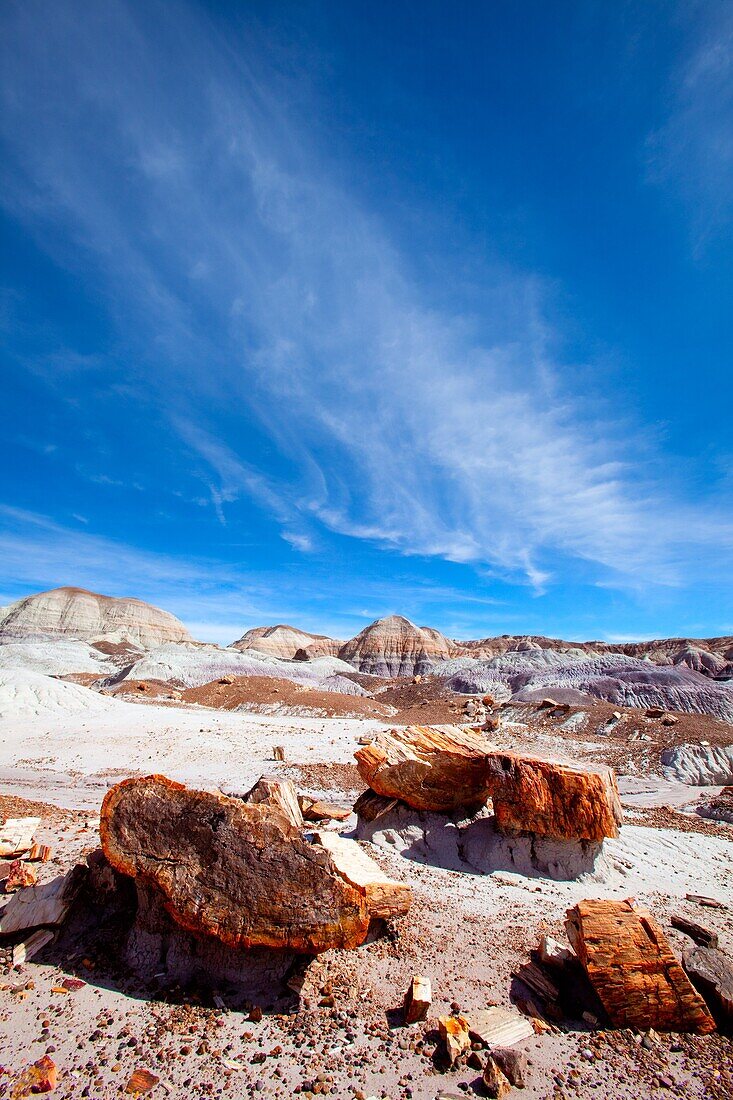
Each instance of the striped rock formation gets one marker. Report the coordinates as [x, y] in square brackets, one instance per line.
[76, 613]
[395, 647]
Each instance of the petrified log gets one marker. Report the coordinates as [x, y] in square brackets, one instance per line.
[229, 869]
[384, 897]
[632, 969]
[702, 936]
[428, 767]
[711, 972]
[554, 800]
[277, 792]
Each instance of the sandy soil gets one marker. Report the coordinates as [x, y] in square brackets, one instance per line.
[467, 932]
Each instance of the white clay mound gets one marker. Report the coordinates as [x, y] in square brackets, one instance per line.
[25, 694]
[53, 656]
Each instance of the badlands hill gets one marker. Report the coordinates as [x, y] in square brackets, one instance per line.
[287, 642]
[76, 613]
[396, 647]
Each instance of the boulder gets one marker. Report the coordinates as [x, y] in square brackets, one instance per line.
[428, 767]
[514, 1064]
[553, 800]
[632, 968]
[236, 871]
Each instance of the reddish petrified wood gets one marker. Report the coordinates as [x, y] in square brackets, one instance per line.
[632, 968]
[229, 869]
[554, 800]
[428, 767]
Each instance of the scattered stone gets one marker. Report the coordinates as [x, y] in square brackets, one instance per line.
[700, 899]
[499, 1027]
[278, 753]
[513, 1064]
[141, 1082]
[38, 1078]
[632, 968]
[39, 853]
[271, 888]
[384, 897]
[454, 1033]
[428, 767]
[418, 999]
[711, 972]
[655, 712]
[20, 875]
[313, 809]
[494, 1080]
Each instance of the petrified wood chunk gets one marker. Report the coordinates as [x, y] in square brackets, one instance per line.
[418, 999]
[277, 792]
[40, 906]
[428, 767]
[554, 800]
[454, 1033]
[632, 968]
[384, 897]
[236, 871]
[16, 835]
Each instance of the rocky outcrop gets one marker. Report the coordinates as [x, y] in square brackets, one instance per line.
[427, 767]
[395, 647]
[700, 765]
[224, 868]
[287, 642]
[633, 970]
[76, 613]
[553, 800]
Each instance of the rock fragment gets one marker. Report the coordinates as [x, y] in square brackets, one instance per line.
[454, 1033]
[39, 906]
[19, 876]
[418, 999]
[499, 1027]
[16, 836]
[632, 968]
[277, 792]
[513, 1064]
[711, 972]
[141, 1082]
[38, 1078]
[313, 809]
[494, 1080]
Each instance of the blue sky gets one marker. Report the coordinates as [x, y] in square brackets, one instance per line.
[314, 312]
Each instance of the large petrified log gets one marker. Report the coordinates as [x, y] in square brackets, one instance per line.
[553, 800]
[240, 872]
[441, 768]
[631, 966]
[428, 767]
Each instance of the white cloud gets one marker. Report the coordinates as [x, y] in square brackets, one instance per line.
[398, 421]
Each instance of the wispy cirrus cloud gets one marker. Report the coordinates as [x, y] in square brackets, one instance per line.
[259, 286]
[692, 151]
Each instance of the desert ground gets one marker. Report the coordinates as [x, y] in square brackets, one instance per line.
[77, 717]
